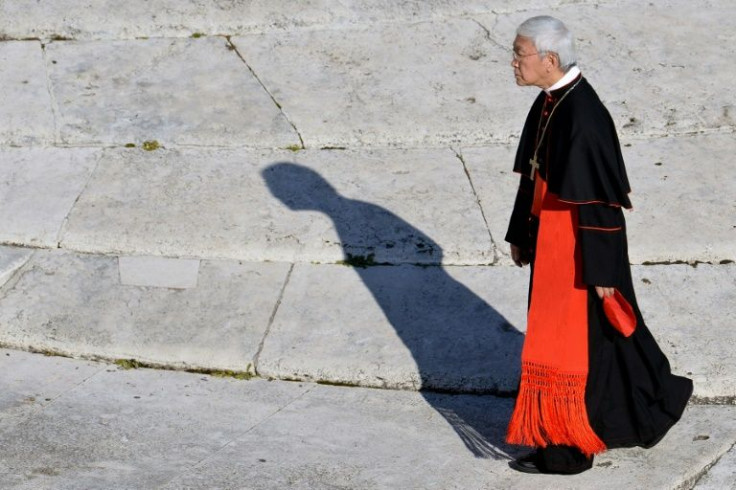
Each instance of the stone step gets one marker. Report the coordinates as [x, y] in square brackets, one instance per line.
[440, 82]
[77, 424]
[455, 329]
[182, 18]
[396, 206]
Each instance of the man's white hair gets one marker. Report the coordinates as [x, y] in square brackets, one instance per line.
[550, 35]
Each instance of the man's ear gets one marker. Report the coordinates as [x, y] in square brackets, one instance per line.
[553, 59]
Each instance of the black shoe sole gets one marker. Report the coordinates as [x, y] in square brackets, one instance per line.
[525, 467]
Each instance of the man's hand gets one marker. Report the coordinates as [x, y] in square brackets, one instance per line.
[604, 292]
[518, 257]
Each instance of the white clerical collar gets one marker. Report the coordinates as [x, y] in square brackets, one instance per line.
[568, 77]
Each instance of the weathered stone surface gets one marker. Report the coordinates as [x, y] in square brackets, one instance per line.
[172, 18]
[681, 209]
[39, 187]
[111, 428]
[691, 312]
[75, 304]
[682, 196]
[401, 440]
[350, 67]
[121, 429]
[26, 117]
[12, 259]
[29, 383]
[722, 476]
[636, 72]
[387, 440]
[422, 84]
[400, 206]
[159, 272]
[174, 91]
[454, 328]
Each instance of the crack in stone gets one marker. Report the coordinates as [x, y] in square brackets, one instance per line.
[459, 156]
[65, 221]
[257, 356]
[692, 263]
[692, 482]
[490, 38]
[19, 272]
[233, 47]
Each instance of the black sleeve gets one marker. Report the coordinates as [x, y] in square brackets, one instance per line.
[518, 231]
[602, 234]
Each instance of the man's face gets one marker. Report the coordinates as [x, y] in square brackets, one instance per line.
[529, 69]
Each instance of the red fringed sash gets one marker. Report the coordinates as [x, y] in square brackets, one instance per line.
[550, 407]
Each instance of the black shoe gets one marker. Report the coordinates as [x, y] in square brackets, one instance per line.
[532, 463]
[526, 464]
[571, 470]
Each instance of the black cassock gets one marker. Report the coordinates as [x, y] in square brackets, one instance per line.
[632, 398]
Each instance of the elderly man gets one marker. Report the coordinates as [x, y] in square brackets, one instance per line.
[593, 377]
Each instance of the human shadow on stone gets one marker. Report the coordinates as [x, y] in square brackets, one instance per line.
[459, 342]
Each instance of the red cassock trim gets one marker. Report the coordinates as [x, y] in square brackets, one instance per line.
[550, 407]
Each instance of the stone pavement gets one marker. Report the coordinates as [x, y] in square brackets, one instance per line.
[79, 424]
[317, 195]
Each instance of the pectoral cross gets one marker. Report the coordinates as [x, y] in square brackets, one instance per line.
[535, 166]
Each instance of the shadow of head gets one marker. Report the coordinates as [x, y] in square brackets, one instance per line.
[298, 187]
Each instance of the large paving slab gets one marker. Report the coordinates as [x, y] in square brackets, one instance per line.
[39, 187]
[124, 429]
[691, 312]
[405, 327]
[27, 116]
[174, 91]
[76, 304]
[682, 196]
[400, 206]
[681, 192]
[429, 83]
[163, 429]
[458, 328]
[653, 76]
[362, 449]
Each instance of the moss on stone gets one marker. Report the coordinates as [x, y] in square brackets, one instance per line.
[128, 363]
[246, 375]
[360, 261]
[151, 145]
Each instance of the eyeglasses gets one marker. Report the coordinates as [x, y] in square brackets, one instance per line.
[518, 57]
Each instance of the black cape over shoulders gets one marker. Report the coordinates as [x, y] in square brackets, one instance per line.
[632, 397]
[581, 141]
